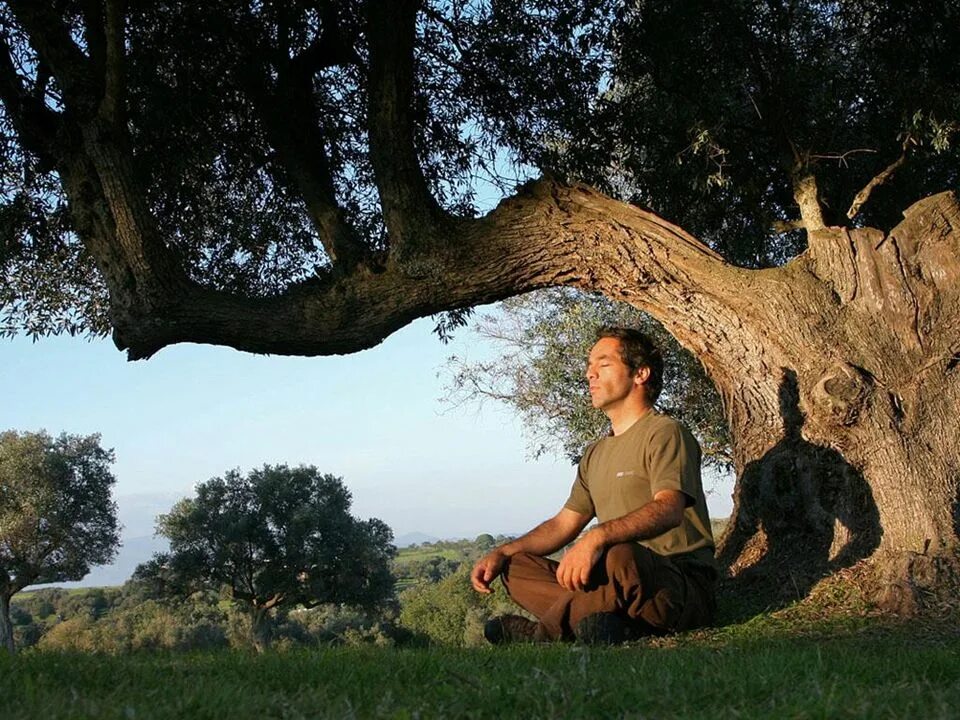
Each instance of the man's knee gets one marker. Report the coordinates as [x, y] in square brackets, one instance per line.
[620, 557]
[525, 566]
[517, 561]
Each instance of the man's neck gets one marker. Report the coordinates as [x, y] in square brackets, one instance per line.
[623, 417]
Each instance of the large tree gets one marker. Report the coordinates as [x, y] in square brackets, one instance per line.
[277, 537]
[296, 177]
[57, 516]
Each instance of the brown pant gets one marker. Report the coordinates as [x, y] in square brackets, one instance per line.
[651, 591]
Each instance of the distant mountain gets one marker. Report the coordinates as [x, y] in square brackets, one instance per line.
[414, 538]
[137, 515]
[132, 552]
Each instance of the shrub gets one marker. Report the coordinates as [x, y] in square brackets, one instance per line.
[148, 626]
[450, 612]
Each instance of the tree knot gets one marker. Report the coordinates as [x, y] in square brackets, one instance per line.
[842, 393]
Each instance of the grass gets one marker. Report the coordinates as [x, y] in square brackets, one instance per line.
[427, 553]
[864, 669]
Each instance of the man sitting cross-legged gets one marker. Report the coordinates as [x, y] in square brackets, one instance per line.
[648, 566]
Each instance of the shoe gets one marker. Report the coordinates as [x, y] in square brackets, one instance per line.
[605, 628]
[510, 629]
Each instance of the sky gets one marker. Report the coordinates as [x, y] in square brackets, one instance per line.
[374, 418]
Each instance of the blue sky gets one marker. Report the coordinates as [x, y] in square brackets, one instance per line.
[374, 418]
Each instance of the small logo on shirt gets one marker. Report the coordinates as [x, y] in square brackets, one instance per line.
[625, 473]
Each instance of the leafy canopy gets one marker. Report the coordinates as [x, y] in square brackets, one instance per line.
[276, 536]
[57, 516]
[241, 114]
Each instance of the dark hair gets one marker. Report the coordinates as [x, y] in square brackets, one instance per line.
[637, 351]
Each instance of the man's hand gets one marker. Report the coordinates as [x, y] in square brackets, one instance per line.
[486, 570]
[578, 561]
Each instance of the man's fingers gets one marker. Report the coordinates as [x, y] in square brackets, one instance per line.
[477, 578]
[485, 572]
[565, 575]
[584, 577]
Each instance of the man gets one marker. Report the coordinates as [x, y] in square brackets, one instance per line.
[647, 567]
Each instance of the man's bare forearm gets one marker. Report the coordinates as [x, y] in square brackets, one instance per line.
[547, 537]
[649, 521]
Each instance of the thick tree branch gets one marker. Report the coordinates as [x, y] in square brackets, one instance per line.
[289, 116]
[292, 125]
[549, 234]
[52, 41]
[112, 104]
[35, 123]
[408, 206]
[94, 35]
[806, 194]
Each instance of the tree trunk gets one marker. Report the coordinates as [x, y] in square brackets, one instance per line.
[842, 400]
[261, 629]
[6, 626]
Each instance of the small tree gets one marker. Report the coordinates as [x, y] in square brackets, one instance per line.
[278, 536]
[57, 517]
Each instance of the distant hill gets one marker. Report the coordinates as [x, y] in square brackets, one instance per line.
[414, 538]
[132, 552]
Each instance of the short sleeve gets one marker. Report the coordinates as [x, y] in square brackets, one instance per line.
[673, 460]
[580, 500]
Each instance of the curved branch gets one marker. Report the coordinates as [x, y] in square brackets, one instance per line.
[35, 123]
[289, 116]
[879, 179]
[548, 234]
[52, 41]
[288, 111]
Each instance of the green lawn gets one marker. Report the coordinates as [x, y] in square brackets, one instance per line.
[868, 671]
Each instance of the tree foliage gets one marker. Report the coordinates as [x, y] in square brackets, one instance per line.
[57, 516]
[541, 342]
[714, 112]
[448, 611]
[278, 536]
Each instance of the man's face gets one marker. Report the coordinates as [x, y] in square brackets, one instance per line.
[609, 377]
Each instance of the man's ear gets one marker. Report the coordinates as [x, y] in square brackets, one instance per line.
[642, 376]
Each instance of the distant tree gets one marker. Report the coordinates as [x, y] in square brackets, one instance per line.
[484, 541]
[542, 340]
[278, 536]
[57, 517]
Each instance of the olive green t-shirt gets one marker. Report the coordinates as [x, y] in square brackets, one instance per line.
[621, 473]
